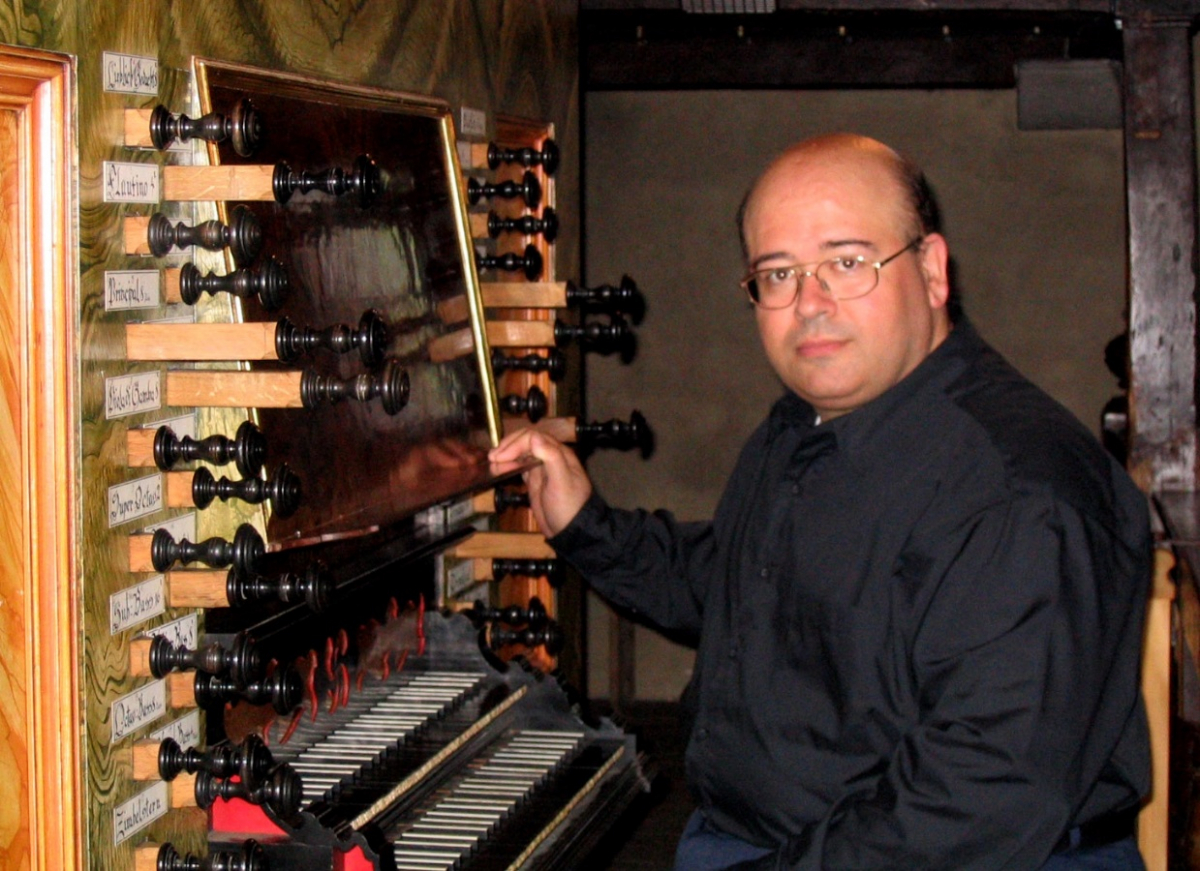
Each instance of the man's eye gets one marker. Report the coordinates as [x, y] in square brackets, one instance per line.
[777, 276]
[847, 265]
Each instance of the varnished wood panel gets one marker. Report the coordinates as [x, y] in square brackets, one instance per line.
[14, 521]
[39, 734]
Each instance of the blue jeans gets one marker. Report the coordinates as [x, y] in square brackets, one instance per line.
[1118, 856]
[705, 848]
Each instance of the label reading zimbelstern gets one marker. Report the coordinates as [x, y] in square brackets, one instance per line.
[129, 74]
[138, 708]
[126, 289]
[140, 811]
[136, 604]
[140, 497]
[130, 182]
[130, 394]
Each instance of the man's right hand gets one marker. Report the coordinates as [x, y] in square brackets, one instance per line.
[558, 487]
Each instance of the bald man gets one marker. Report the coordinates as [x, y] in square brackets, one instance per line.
[918, 608]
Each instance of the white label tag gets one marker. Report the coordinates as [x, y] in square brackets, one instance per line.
[136, 604]
[472, 122]
[131, 182]
[140, 497]
[134, 710]
[457, 512]
[184, 425]
[181, 633]
[126, 289]
[459, 577]
[140, 811]
[185, 730]
[181, 527]
[129, 74]
[131, 394]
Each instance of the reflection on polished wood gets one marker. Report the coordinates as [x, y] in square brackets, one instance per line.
[500, 334]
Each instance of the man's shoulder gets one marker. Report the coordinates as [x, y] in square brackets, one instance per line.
[1036, 444]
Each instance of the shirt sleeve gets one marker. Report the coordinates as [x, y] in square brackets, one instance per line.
[647, 562]
[1025, 655]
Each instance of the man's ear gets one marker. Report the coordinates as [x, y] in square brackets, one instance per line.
[934, 258]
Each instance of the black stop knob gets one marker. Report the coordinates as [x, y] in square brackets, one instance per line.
[247, 449]
[391, 386]
[553, 364]
[547, 158]
[241, 660]
[243, 553]
[268, 282]
[250, 857]
[242, 235]
[282, 488]
[529, 190]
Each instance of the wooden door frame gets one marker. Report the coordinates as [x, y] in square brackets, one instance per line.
[38, 86]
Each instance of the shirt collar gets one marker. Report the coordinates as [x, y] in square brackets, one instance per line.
[943, 364]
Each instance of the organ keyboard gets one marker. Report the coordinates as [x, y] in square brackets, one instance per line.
[454, 760]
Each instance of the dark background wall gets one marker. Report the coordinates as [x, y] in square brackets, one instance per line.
[1036, 228]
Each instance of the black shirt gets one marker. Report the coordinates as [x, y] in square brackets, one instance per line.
[919, 624]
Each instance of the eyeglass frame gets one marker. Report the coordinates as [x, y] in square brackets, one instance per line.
[802, 273]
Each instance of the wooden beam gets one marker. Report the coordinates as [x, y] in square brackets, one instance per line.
[1120, 7]
[1160, 165]
[834, 47]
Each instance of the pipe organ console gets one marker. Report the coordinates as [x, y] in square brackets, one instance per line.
[348, 665]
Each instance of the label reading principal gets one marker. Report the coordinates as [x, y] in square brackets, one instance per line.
[140, 811]
[127, 289]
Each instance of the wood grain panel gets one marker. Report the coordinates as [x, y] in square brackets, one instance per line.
[15, 665]
[39, 735]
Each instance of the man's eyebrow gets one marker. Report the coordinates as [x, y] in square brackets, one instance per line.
[829, 245]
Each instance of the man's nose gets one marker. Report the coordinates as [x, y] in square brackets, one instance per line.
[812, 299]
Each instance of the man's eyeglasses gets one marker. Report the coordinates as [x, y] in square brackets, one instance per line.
[840, 277]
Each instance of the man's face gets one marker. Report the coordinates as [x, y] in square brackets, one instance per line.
[839, 355]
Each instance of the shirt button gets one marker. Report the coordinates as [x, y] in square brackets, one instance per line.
[764, 573]
[701, 734]
[795, 489]
[733, 651]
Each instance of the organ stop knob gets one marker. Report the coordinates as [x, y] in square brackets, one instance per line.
[243, 127]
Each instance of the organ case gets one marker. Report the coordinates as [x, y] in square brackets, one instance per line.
[320, 609]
